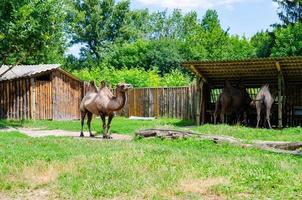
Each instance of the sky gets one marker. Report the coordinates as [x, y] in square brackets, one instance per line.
[242, 17]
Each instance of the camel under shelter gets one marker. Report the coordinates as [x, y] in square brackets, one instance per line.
[283, 74]
[39, 92]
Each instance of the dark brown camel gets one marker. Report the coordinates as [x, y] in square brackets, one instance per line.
[102, 102]
[264, 101]
[232, 100]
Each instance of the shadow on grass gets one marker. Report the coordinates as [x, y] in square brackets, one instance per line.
[183, 123]
[11, 123]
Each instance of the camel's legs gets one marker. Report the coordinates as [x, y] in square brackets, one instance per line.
[238, 118]
[89, 116]
[83, 114]
[104, 124]
[215, 117]
[268, 117]
[258, 117]
[216, 112]
[109, 124]
[222, 113]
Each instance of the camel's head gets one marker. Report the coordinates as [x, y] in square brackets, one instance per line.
[123, 87]
[253, 104]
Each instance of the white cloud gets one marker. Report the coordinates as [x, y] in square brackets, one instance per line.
[275, 4]
[190, 4]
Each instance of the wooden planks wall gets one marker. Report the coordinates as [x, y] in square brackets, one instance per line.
[15, 99]
[66, 97]
[43, 100]
[173, 102]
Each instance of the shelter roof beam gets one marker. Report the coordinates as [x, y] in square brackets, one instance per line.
[193, 68]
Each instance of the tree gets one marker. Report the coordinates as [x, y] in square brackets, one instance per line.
[31, 31]
[289, 11]
[263, 43]
[288, 41]
[240, 48]
[97, 24]
[162, 54]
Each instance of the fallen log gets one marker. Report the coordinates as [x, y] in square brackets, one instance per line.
[293, 148]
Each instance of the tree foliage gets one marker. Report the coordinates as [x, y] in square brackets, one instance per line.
[289, 11]
[288, 41]
[138, 77]
[31, 31]
[99, 23]
[137, 46]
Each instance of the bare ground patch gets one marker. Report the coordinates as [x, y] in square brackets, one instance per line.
[203, 187]
[30, 194]
[42, 173]
[39, 179]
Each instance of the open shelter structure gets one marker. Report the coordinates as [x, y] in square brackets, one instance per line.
[39, 92]
[283, 74]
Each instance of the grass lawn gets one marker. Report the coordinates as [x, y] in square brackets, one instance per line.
[123, 125]
[73, 168]
[119, 125]
[245, 133]
[67, 168]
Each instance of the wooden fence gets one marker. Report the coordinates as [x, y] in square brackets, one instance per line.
[173, 102]
[15, 99]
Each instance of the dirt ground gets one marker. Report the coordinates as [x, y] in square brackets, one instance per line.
[62, 133]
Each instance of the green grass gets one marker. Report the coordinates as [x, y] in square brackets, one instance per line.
[153, 169]
[119, 125]
[287, 134]
[125, 126]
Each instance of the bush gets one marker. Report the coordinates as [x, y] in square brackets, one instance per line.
[136, 76]
[175, 78]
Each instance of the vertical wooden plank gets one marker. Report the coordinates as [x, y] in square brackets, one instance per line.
[4, 100]
[54, 95]
[7, 99]
[1, 100]
[24, 98]
[12, 106]
[27, 101]
[33, 98]
[135, 102]
[19, 110]
[59, 96]
[15, 84]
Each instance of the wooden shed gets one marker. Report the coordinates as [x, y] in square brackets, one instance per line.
[39, 92]
[283, 74]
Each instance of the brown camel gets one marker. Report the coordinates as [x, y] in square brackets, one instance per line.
[102, 102]
[232, 100]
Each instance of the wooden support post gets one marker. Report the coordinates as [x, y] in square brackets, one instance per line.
[205, 96]
[199, 101]
[280, 98]
[202, 103]
[33, 98]
[197, 109]
[280, 101]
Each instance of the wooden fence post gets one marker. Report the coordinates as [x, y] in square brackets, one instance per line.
[280, 125]
[33, 98]
[199, 101]
[280, 98]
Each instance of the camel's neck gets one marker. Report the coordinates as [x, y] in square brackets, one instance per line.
[118, 101]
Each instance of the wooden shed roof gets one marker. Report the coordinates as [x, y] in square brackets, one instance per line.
[23, 71]
[250, 72]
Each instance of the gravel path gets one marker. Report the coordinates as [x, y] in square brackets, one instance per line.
[62, 133]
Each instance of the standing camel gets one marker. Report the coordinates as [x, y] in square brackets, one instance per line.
[231, 101]
[102, 102]
[264, 101]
